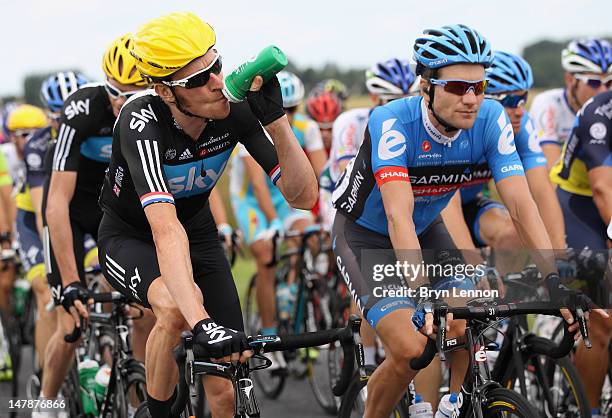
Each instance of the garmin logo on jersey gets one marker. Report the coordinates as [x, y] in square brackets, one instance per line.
[511, 167]
[352, 198]
[392, 143]
[347, 280]
[76, 107]
[140, 119]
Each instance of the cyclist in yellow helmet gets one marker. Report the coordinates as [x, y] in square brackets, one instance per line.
[157, 234]
[80, 158]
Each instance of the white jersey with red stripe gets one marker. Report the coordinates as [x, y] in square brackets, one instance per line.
[552, 116]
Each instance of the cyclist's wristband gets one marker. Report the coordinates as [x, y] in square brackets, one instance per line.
[5, 237]
[225, 229]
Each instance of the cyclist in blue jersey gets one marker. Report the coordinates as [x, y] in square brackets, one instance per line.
[261, 210]
[416, 153]
[510, 78]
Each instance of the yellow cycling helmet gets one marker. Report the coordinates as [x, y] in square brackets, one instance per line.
[26, 117]
[164, 45]
[119, 64]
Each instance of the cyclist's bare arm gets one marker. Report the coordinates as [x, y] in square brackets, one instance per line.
[600, 179]
[61, 191]
[172, 247]
[548, 205]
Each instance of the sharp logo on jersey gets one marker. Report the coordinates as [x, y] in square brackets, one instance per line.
[387, 174]
[426, 146]
[392, 143]
[140, 119]
[76, 107]
[185, 155]
[505, 144]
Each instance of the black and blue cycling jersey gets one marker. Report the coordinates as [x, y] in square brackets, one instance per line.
[154, 161]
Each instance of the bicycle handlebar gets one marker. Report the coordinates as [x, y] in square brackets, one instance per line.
[495, 312]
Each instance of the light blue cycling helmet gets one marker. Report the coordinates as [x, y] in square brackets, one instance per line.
[448, 45]
[390, 79]
[590, 55]
[292, 89]
[508, 72]
[57, 87]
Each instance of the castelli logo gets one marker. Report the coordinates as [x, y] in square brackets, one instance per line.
[426, 146]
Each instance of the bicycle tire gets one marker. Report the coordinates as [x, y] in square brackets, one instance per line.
[135, 380]
[318, 367]
[354, 397]
[502, 400]
[271, 384]
[544, 369]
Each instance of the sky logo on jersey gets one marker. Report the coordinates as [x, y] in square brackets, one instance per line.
[392, 143]
[76, 107]
[141, 118]
[193, 178]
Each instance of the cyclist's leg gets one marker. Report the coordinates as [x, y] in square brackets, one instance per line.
[213, 276]
[253, 223]
[294, 219]
[439, 249]
[388, 315]
[490, 225]
[59, 354]
[584, 228]
[32, 258]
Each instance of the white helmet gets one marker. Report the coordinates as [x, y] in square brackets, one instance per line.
[292, 89]
[587, 56]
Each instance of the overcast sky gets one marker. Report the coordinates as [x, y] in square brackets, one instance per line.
[44, 35]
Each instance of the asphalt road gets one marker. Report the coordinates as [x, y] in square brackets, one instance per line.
[296, 400]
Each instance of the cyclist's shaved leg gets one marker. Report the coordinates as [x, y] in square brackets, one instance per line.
[219, 396]
[45, 323]
[7, 278]
[390, 380]
[140, 332]
[292, 243]
[162, 373]
[266, 298]
[59, 355]
[589, 362]
[498, 231]
[428, 382]
[368, 337]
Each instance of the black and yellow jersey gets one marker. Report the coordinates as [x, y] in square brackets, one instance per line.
[589, 146]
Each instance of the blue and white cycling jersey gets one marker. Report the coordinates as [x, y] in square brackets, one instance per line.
[402, 144]
[529, 150]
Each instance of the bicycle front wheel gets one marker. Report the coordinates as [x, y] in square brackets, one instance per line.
[504, 403]
[354, 400]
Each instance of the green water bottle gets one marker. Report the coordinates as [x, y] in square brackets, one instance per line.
[20, 293]
[101, 382]
[87, 374]
[266, 64]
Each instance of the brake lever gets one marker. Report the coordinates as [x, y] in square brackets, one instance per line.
[584, 330]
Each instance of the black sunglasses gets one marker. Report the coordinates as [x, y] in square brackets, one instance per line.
[199, 78]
